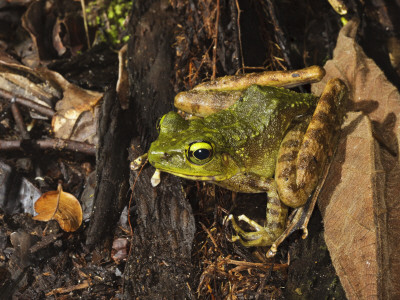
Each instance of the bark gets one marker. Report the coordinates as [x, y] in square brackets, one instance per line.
[112, 171]
[159, 264]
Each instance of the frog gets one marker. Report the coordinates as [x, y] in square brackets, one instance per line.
[251, 134]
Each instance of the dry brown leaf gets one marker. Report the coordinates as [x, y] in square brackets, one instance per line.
[123, 78]
[25, 82]
[60, 206]
[54, 32]
[77, 103]
[360, 200]
[76, 111]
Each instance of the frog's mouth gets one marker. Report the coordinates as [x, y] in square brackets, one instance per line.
[199, 178]
[219, 177]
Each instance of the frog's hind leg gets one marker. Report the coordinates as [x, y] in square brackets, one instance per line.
[303, 162]
[300, 167]
[274, 225]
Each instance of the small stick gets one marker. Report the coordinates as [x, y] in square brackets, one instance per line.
[214, 65]
[18, 119]
[239, 34]
[44, 110]
[279, 33]
[55, 144]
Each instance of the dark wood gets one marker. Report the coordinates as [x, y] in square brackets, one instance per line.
[159, 265]
[112, 171]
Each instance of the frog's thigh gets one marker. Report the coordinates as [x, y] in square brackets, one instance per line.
[316, 145]
[286, 167]
[322, 132]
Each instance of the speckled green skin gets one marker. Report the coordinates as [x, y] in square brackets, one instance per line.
[245, 139]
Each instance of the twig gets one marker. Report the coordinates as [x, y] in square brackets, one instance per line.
[256, 265]
[209, 235]
[44, 110]
[279, 34]
[85, 284]
[240, 35]
[85, 23]
[214, 67]
[55, 144]
[129, 214]
[18, 119]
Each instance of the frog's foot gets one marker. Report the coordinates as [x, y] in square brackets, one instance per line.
[138, 162]
[300, 217]
[297, 220]
[262, 236]
[156, 178]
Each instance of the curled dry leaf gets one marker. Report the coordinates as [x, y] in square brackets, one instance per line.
[54, 31]
[76, 111]
[60, 206]
[22, 81]
[75, 117]
[123, 80]
[360, 199]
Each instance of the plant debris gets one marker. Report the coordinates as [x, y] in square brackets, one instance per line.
[60, 206]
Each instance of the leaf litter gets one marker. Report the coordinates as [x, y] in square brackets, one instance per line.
[60, 206]
[360, 206]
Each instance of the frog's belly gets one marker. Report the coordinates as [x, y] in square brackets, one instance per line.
[246, 183]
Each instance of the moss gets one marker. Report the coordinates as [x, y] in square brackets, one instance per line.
[109, 18]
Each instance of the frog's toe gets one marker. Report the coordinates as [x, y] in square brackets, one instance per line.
[260, 237]
[247, 243]
[272, 251]
[305, 232]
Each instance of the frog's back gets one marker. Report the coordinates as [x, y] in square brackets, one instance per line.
[266, 106]
[254, 126]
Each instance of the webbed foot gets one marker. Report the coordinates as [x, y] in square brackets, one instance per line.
[270, 231]
[138, 162]
[262, 236]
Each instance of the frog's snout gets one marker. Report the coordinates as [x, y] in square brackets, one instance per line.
[158, 156]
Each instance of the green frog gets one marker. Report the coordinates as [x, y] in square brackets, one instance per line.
[251, 135]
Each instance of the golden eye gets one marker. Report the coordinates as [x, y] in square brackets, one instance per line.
[200, 152]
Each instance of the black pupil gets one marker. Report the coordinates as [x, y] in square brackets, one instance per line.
[202, 153]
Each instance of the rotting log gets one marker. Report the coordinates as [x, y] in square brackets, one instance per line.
[159, 265]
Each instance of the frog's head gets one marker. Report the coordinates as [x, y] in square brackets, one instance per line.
[190, 150]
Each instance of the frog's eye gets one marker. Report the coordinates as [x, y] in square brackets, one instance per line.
[199, 153]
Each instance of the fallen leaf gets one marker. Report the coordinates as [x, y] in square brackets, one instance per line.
[22, 201]
[76, 104]
[77, 109]
[60, 206]
[55, 32]
[360, 203]
[120, 250]
[123, 78]
[25, 82]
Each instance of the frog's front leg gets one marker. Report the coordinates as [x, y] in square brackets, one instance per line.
[275, 223]
[286, 165]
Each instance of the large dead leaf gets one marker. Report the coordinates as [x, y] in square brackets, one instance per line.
[22, 81]
[55, 31]
[360, 203]
[60, 206]
[75, 116]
